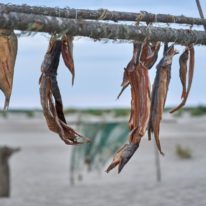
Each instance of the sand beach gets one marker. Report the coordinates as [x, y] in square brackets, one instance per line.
[40, 171]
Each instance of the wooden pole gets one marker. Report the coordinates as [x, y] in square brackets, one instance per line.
[157, 164]
[5, 154]
[99, 30]
[200, 11]
[101, 14]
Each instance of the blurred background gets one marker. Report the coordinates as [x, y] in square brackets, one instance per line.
[47, 172]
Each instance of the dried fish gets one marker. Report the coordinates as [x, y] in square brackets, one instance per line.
[137, 77]
[49, 90]
[183, 70]
[159, 93]
[137, 49]
[122, 156]
[153, 55]
[146, 54]
[185, 95]
[8, 52]
[67, 53]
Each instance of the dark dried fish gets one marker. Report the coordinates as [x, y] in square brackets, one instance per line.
[122, 156]
[183, 70]
[159, 93]
[8, 52]
[67, 54]
[49, 90]
[191, 72]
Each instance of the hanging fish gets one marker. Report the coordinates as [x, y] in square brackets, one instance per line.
[140, 106]
[49, 90]
[185, 93]
[137, 49]
[67, 53]
[149, 57]
[122, 156]
[183, 70]
[8, 52]
[152, 55]
[159, 93]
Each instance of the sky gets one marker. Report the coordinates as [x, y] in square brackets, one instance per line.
[99, 65]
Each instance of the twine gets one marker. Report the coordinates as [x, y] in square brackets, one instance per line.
[103, 14]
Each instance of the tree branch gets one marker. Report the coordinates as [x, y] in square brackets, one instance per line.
[102, 14]
[200, 11]
[98, 30]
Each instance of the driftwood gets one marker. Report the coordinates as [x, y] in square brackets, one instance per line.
[98, 30]
[102, 14]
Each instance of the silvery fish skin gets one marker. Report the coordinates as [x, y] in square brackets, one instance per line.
[191, 73]
[8, 52]
[159, 93]
[49, 90]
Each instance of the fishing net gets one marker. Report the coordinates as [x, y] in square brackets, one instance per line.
[106, 138]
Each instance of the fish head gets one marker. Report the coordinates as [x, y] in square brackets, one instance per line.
[168, 56]
[126, 155]
[171, 51]
[122, 156]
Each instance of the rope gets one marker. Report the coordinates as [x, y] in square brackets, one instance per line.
[103, 14]
[139, 17]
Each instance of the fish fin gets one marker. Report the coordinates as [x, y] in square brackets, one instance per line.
[158, 144]
[122, 90]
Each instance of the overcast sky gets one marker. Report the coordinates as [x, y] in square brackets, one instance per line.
[99, 66]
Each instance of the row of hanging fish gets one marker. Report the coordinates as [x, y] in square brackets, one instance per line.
[147, 106]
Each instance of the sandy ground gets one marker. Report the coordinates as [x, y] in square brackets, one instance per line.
[40, 172]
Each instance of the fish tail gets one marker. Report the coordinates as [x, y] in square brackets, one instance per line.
[149, 131]
[184, 94]
[6, 104]
[159, 146]
[157, 139]
[73, 79]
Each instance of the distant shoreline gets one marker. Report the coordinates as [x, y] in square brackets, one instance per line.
[116, 112]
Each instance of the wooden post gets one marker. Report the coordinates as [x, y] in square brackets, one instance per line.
[200, 11]
[157, 164]
[5, 154]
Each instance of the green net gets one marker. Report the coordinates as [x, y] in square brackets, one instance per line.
[106, 138]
